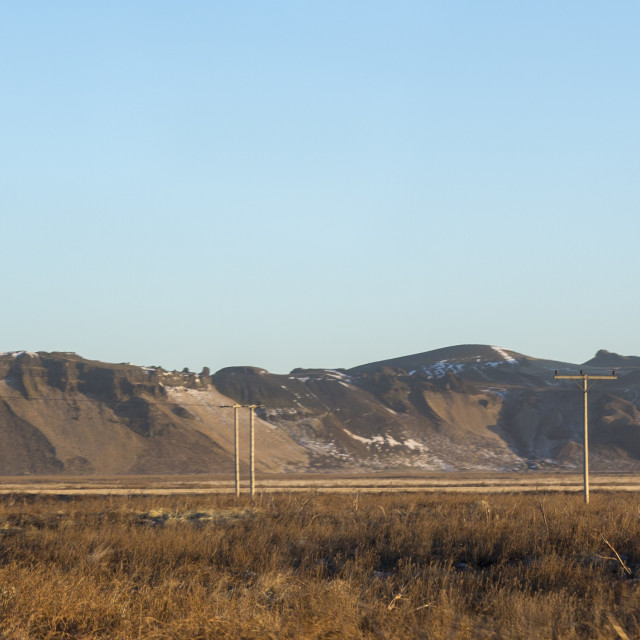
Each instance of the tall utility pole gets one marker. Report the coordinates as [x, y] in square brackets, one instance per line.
[252, 457]
[584, 386]
[237, 445]
[236, 440]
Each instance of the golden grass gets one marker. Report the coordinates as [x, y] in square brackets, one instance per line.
[393, 565]
[206, 484]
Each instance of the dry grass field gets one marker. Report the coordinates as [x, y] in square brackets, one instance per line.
[320, 565]
[434, 482]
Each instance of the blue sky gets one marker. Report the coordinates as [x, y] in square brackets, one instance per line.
[318, 184]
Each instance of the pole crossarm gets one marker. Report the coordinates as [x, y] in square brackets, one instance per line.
[584, 387]
[588, 377]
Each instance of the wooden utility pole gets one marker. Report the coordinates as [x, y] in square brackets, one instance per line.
[584, 386]
[252, 457]
[237, 445]
[236, 441]
[252, 448]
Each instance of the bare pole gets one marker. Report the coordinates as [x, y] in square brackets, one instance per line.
[585, 389]
[237, 446]
[236, 441]
[252, 457]
[585, 467]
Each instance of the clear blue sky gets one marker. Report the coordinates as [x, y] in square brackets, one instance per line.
[318, 184]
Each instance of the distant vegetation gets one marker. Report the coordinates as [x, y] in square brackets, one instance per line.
[320, 566]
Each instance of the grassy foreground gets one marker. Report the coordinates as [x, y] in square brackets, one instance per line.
[320, 566]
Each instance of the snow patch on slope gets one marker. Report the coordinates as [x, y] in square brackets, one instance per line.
[414, 444]
[388, 440]
[327, 375]
[18, 354]
[505, 356]
[441, 368]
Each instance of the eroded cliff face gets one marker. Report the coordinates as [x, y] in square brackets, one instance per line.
[467, 407]
[60, 413]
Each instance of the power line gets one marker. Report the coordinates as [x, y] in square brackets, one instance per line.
[585, 388]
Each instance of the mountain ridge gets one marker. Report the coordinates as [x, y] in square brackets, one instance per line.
[459, 407]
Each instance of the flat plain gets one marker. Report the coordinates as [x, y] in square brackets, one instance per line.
[122, 558]
[444, 482]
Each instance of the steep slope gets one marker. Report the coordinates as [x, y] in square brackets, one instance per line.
[462, 407]
[468, 406]
[61, 413]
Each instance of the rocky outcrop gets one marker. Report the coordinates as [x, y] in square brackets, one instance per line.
[60, 413]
